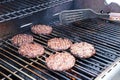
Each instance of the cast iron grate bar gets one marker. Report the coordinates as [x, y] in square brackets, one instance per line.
[101, 28]
[108, 29]
[24, 66]
[94, 38]
[98, 58]
[46, 45]
[46, 68]
[107, 41]
[66, 72]
[20, 70]
[45, 39]
[4, 69]
[53, 51]
[28, 63]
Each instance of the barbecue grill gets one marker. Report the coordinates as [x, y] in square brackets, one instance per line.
[17, 16]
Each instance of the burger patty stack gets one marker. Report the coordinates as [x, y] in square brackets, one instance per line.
[60, 60]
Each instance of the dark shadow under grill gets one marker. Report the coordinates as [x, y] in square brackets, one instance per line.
[102, 34]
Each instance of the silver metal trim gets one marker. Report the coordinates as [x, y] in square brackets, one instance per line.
[25, 25]
[110, 72]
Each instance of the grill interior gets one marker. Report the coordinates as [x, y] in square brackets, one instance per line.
[103, 34]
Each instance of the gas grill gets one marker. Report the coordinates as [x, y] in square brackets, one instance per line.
[17, 16]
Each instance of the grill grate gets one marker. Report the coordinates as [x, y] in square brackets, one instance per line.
[5, 1]
[15, 66]
[20, 8]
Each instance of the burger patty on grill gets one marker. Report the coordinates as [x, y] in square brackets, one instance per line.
[20, 39]
[31, 50]
[41, 29]
[83, 50]
[59, 44]
[60, 61]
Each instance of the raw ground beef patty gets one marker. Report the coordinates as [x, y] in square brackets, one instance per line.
[41, 29]
[60, 61]
[31, 50]
[20, 39]
[82, 50]
[59, 44]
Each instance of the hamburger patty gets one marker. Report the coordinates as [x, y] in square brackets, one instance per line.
[20, 39]
[83, 49]
[59, 44]
[31, 50]
[41, 29]
[60, 61]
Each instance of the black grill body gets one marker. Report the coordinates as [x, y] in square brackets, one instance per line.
[103, 34]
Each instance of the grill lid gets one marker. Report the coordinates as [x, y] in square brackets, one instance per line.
[12, 9]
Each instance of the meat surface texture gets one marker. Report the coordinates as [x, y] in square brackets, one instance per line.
[31, 50]
[20, 39]
[60, 61]
[59, 44]
[41, 29]
[82, 50]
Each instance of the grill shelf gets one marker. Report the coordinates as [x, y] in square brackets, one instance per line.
[101, 33]
[12, 9]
